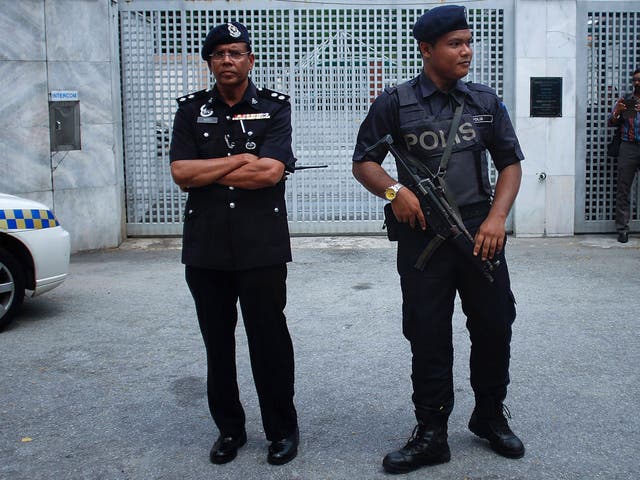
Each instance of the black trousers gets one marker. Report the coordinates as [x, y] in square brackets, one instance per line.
[628, 165]
[262, 296]
[427, 310]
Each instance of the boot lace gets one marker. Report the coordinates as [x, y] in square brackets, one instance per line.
[421, 437]
[500, 424]
[416, 437]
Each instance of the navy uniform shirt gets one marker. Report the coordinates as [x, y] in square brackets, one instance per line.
[229, 228]
[483, 111]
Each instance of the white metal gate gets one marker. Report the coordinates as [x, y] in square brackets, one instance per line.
[333, 61]
[608, 37]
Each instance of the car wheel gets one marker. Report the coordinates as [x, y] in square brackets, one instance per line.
[11, 286]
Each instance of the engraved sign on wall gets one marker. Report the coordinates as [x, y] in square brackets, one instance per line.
[546, 97]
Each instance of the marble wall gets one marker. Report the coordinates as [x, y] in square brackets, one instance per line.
[546, 47]
[64, 45]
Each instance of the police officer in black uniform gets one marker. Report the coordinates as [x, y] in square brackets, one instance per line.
[230, 149]
[418, 115]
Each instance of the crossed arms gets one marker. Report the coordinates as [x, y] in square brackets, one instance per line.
[243, 170]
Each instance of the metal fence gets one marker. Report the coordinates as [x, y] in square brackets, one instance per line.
[332, 61]
[608, 36]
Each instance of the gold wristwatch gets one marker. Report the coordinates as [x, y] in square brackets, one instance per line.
[391, 192]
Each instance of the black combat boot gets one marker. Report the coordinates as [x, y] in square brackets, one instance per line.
[427, 446]
[489, 421]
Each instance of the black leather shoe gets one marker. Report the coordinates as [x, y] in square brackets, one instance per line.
[284, 450]
[427, 446]
[495, 428]
[226, 448]
[623, 236]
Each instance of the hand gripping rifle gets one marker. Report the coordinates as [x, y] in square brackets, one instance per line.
[441, 217]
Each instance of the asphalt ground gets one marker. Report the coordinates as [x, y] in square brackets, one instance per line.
[104, 377]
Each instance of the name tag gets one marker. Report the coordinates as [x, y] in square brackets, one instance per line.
[207, 120]
[483, 119]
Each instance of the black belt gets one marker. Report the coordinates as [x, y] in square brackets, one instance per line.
[473, 210]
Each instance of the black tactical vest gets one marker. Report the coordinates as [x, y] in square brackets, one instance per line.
[424, 136]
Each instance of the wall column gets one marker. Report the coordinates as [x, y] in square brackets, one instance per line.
[546, 47]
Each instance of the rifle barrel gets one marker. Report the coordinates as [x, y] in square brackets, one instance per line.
[306, 167]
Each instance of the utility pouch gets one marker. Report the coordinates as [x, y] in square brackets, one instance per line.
[391, 223]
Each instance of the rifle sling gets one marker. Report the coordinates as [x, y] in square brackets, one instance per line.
[429, 250]
[444, 161]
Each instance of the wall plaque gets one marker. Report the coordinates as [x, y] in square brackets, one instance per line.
[546, 97]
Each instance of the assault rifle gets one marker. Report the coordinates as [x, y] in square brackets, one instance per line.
[441, 218]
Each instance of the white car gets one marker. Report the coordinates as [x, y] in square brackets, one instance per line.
[34, 252]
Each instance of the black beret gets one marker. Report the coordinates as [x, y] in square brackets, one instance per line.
[231, 32]
[438, 21]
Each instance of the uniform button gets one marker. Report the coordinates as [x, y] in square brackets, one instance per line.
[276, 210]
[206, 134]
[232, 205]
[228, 117]
[190, 212]
[230, 187]
[228, 154]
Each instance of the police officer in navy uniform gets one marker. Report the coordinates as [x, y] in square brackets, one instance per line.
[418, 115]
[230, 149]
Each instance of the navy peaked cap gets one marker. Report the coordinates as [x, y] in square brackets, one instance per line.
[438, 21]
[230, 32]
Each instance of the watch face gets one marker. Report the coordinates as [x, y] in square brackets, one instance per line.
[390, 194]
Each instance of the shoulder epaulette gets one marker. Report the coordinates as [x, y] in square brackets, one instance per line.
[390, 89]
[190, 97]
[479, 87]
[273, 95]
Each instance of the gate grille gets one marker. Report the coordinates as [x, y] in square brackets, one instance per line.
[612, 55]
[332, 61]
